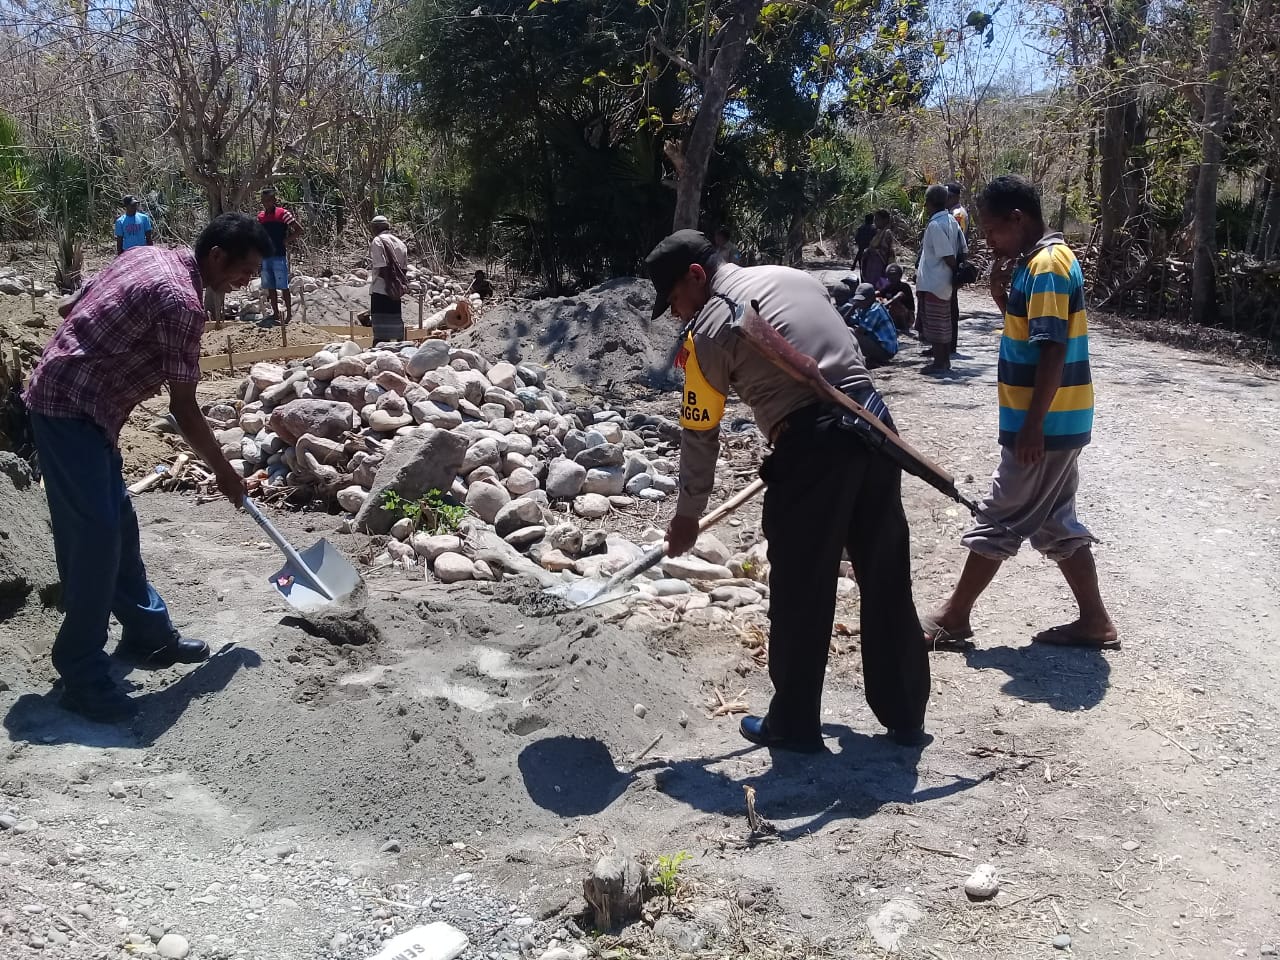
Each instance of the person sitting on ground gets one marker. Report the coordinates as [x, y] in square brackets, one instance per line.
[481, 286]
[899, 299]
[131, 329]
[880, 252]
[828, 490]
[133, 229]
[872, 326]
[1046, 420]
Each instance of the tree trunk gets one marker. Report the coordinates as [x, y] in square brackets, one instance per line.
[1269, 242]
[1121, 125]
[706, 125]
[1203, 286]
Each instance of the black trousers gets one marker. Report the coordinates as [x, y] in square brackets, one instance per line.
[872, 352]
[829, 492]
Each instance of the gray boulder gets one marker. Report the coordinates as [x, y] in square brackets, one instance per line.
[601, 455]
[564, 479]
[432, 354]
[609, 481]
[486, 499]
[329, 419]
[415, 464]
[524, 512]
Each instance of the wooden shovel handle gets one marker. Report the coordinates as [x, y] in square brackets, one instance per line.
[710, 519]
[778, 350]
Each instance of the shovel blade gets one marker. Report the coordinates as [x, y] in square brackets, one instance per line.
[326, 577]
[577, 592]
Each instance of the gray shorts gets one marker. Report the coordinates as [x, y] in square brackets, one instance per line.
[1037, 503]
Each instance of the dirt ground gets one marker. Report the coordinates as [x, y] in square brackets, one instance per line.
[289, 799]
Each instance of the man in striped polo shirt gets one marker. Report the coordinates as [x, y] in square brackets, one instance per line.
[1046, 419]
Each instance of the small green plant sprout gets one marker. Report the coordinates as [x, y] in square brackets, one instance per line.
[666, 874]
[433, 513]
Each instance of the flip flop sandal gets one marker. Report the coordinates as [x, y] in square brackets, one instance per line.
[938, 637]
[1062, 637]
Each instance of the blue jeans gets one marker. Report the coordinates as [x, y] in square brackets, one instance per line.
[95, 537]
[275, 273]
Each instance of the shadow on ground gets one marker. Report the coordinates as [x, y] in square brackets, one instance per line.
[39, 719]
[573, 776]
[1068, 680]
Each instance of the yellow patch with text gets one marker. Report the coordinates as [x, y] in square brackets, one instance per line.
[701, 405]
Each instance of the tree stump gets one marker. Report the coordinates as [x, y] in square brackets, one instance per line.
[615, 891]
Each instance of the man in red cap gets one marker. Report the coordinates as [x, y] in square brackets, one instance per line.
[829, 491]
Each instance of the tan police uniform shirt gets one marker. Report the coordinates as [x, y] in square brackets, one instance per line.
[718, 358]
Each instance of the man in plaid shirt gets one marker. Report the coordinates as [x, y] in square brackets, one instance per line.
[133, 328]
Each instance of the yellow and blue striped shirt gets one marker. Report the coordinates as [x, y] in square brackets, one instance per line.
[1046, 305]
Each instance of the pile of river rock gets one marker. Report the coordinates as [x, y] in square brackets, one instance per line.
[531, 466]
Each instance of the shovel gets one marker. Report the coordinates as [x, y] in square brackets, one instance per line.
[591, 592]
[310, 580]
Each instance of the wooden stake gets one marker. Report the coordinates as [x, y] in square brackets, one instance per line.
[284, 334]
[422, 297]
[302, 303]
[231, 360]
[32, 292]
[351, 324]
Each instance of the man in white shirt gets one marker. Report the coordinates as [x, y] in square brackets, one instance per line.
[934, 277]
[389, 276]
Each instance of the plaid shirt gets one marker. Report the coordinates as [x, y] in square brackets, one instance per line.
[876, 321]
[133, 328]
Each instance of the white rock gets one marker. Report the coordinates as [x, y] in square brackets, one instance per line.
[983, 883]
[668, 587]
[731, 597]
[890, 923]
[556, 561]
[592, 506]
[383, 421]
[503, 375]
[453, 567]
[402, 529]
[173, 947]
[710, 548]
[430, 546]
[693, 568]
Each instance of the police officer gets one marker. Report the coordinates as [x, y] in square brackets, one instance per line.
[828, 491]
